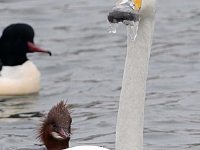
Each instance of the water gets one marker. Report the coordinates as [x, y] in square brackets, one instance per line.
[87, 66]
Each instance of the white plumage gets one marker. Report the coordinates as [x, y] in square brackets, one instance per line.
[87, 148]
[19, 80]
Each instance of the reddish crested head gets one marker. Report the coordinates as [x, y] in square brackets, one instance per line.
[55, 130]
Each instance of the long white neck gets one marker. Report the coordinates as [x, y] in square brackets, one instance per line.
[129, 131]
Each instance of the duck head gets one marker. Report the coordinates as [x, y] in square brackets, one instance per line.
[55, 130]
[15, 42]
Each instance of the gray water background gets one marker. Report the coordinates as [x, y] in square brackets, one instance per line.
[87, 67]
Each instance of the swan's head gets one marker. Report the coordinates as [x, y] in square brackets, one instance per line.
[55, 130]
[15, 42]
[132, 11]
[125, 10]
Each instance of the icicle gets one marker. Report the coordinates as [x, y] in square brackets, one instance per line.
[134, 30]
[113, 27]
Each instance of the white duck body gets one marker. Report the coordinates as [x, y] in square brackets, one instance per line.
[19, 80]
[87, 148]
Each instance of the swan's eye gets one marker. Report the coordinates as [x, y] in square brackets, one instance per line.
[54, 125]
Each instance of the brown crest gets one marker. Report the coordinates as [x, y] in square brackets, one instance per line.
[58, 116]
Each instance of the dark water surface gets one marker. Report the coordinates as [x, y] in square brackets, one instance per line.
[87, 67]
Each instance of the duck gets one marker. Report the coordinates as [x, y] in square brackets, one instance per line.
[18, 75]
[55, 130]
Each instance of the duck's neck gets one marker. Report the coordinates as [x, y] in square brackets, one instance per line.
[13, 60]
[53, 144]
[129, 134]
[1, 65]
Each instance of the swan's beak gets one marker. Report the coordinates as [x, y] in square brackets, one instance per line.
[138, 4]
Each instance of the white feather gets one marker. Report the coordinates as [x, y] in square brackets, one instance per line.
[87, 148]
[57, 136]
[19, 80]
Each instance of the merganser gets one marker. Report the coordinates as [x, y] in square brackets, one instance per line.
[55, 130]
[18, 75]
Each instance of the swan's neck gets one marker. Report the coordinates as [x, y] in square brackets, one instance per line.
[129, 134]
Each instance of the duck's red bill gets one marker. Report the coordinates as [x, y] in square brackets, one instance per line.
[64, 135]
[33, 48]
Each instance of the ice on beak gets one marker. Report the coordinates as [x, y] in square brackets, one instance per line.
[124, 12]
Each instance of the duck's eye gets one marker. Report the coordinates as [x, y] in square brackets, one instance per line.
[54, 125]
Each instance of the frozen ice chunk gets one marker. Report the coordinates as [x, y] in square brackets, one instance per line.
[124, 12]
[126, 2]
[119, 13]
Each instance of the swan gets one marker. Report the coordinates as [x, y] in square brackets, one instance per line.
[129, 129]
[18, 75]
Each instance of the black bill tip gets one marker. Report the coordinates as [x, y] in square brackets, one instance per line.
[48, 52]
[68, 138]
